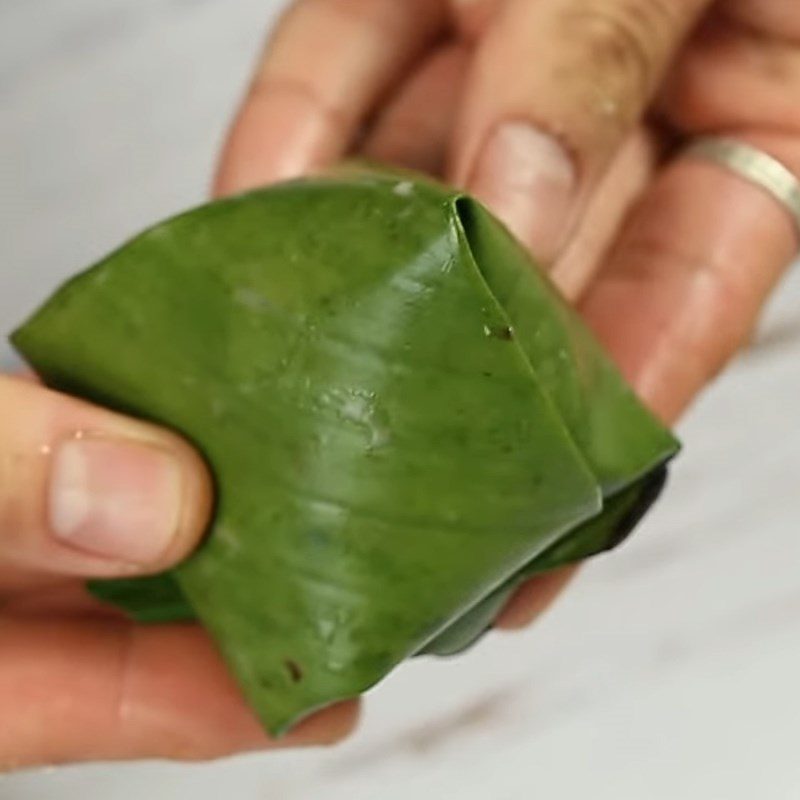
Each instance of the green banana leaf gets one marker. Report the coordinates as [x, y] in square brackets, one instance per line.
[403, 418]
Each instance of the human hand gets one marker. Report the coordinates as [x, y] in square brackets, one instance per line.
[563, 115]
[87, 492]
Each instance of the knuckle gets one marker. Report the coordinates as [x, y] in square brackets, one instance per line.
[729, 324]
[720, 330]
[621, 44]
[290, 92]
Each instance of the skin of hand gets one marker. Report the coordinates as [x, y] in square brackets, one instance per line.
[561, 116]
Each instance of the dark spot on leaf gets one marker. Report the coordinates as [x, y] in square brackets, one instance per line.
[504, 332]
[294, 670]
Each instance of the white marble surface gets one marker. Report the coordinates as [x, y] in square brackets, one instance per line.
[668, 672]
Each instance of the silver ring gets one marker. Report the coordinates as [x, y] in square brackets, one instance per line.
[755, 166]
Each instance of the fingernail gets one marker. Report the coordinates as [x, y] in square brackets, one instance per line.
[115, 499]
[529, 180]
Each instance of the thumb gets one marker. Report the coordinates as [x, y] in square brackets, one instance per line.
[85, 491]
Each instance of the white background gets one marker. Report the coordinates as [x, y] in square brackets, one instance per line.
[670, 669]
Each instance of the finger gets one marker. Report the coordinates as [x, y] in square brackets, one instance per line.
[778, 17]
[692, 270]
[473, 17]
[738, 54]
[26, 374]
[42, 597]
[533, 598]
[628, 175]
[84, 491]
[556, 86]
[328, 64]
[414, 128]
[104, 689]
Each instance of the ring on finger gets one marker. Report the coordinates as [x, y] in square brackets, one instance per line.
[754, 165]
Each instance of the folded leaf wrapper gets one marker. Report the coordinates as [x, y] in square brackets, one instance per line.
[403, 418]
